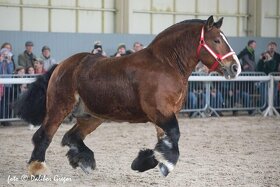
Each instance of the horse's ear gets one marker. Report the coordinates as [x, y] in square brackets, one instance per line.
[219, 23]
[209, 23]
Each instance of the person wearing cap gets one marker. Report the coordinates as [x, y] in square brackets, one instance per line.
[48, 61]
[26, 58]
[121, 51]
[247, 56]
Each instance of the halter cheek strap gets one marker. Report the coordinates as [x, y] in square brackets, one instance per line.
[217, 56]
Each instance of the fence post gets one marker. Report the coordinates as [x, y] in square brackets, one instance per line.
[270, 110]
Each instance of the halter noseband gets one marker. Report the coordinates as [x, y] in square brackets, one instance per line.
[218, 57]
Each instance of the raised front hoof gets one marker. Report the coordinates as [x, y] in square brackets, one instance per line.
[84, 159]
[144, 161]
[36, 168]
[163, 169]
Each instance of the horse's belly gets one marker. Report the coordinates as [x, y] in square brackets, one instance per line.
[115, 108]
[120, 114]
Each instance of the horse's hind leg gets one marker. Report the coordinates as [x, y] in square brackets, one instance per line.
[166, 152]
[79, 154]
[56, 112]
[41, 140]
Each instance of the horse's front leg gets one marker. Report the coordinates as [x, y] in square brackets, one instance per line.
[166, 152]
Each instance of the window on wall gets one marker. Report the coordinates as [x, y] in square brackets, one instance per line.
[85, 16]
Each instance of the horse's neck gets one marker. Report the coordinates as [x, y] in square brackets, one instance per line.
[183, 61]
[178, 48]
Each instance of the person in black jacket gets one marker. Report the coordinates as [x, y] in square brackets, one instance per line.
[266, 63]
[272, 48]
[247, 56]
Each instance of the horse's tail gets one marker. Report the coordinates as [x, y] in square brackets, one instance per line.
[31, 105]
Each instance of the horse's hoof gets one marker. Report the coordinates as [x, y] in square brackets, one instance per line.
[85, 159]
[37, 168]
[163, 169]
[144, 161]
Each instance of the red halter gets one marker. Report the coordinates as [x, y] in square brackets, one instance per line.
[218, 57]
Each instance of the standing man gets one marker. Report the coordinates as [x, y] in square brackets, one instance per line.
[48, 61]
[247, 56]
[26, 58]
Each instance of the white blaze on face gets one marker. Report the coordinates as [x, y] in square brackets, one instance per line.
[234, 55]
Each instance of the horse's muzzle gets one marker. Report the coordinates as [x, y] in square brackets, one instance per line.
[232, 71]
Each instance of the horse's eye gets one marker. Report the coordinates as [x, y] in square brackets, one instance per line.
[217, 41]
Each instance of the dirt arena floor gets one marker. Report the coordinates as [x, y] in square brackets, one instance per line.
[228, 151]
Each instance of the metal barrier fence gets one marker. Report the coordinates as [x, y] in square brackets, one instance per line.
[11, 86]
[276, 92]
[207, 94]
[250, 92]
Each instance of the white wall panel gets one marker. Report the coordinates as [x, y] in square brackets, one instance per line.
[90, 3]
[35, 19]
[35, 2]
[90, 22]
[161, 22]
[109, 20]
[166, 5]
[11, 1]
[66, 3]
[228, 7]
[207, 6]
[140, 5]
[185, 6]
[12, 18]
[229, 26]
[269, 25]
[110, 3]
[243, 27]
[243, 6]
[63, 21]
[269, 28]
[140, 23]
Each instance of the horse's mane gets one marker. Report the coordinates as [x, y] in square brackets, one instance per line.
[178, 25]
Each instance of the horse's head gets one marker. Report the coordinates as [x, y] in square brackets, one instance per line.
[215, 52]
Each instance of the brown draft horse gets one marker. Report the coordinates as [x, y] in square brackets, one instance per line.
[147, 86]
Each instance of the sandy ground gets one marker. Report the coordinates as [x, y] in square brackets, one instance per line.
[228, 151]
